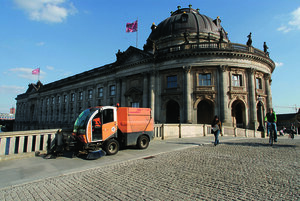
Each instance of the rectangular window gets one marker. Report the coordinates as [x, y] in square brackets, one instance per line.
[58, 99]
[172, 81]
[80, 95]
[205, 79]
[65, 98]
[100, 92]
[237, 80]
[136, 104]
[258, 83]
[90, 94]
[47, 101]
[112, 90]
[53, 100]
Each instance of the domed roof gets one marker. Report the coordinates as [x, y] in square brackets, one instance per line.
[188, 21]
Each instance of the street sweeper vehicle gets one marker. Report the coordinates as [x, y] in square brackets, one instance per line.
[109, 127]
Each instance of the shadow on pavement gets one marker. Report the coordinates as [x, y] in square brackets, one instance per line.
[185, 143]
[260, 144]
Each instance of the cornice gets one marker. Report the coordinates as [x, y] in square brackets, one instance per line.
[217, 53]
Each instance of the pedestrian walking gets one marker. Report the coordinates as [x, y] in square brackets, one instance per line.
[293, 131]
[216, 129]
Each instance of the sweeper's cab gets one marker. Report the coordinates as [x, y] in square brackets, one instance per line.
[107, 127]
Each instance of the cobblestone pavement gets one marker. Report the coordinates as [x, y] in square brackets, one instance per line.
[245, 169]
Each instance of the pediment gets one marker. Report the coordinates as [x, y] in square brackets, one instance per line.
[34, 87]
[134, 91]
[131, 55]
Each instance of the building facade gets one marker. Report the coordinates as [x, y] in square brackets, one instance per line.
[188, 72]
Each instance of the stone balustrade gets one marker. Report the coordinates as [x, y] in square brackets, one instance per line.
[13, 144]
[213, 46]
[167, 131]
[25, 142]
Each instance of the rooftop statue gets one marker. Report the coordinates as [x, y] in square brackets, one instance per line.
[266, 48]
[249, 42]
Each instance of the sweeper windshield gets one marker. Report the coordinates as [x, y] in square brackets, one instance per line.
[82, 120]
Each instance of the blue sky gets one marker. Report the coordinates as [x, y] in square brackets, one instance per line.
[66, 37]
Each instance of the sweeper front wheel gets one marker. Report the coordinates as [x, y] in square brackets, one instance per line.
[111, 147]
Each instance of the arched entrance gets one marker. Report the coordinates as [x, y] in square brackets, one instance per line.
[173, 112]
[205, 112]
[238, 114]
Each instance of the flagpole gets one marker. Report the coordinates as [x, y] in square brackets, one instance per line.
[137, 30]
[39, 74]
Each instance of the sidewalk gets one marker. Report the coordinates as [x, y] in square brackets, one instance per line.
[18, 171]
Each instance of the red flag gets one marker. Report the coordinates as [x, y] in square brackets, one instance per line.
[36, 71]
[132, 27]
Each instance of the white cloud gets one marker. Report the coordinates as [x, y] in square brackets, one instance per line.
[40, 43]
[293, 23]
[54, 11]
[278, 64]
[5, 89]
[26, 73]
[50, 67]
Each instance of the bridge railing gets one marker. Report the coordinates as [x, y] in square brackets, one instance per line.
[167, 131]
[14, 144]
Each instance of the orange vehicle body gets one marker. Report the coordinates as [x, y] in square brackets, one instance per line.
[126, 125]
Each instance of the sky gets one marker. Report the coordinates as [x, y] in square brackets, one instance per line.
[67, 37]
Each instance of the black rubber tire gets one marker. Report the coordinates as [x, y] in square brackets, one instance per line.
[143, 142]
[111, 147]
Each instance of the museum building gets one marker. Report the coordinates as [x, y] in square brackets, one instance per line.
[188, 72]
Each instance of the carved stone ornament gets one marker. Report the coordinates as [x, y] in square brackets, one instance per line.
[211, 95]
[167, 98]
[203, 71]
[187, 69]
[251, 71]
[267, 76]
[224, 68]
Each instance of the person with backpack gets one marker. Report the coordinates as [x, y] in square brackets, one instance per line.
[216, 129]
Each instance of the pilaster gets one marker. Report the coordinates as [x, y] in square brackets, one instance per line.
[224, 110]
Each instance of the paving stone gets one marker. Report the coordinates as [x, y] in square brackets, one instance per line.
[247, 169]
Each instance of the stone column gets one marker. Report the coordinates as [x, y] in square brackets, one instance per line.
[145, 90]
[123, 91]
[152, 94]
[105, 93]
[224, 84]
[188, 94]
[157, 101]
[268, 90]
[94, 96]
[252, 98]
[75, 112]
[118, 90]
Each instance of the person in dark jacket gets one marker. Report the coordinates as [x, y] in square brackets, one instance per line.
[271, 120]
[216, 129]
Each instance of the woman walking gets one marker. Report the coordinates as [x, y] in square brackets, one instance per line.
[216, 129]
